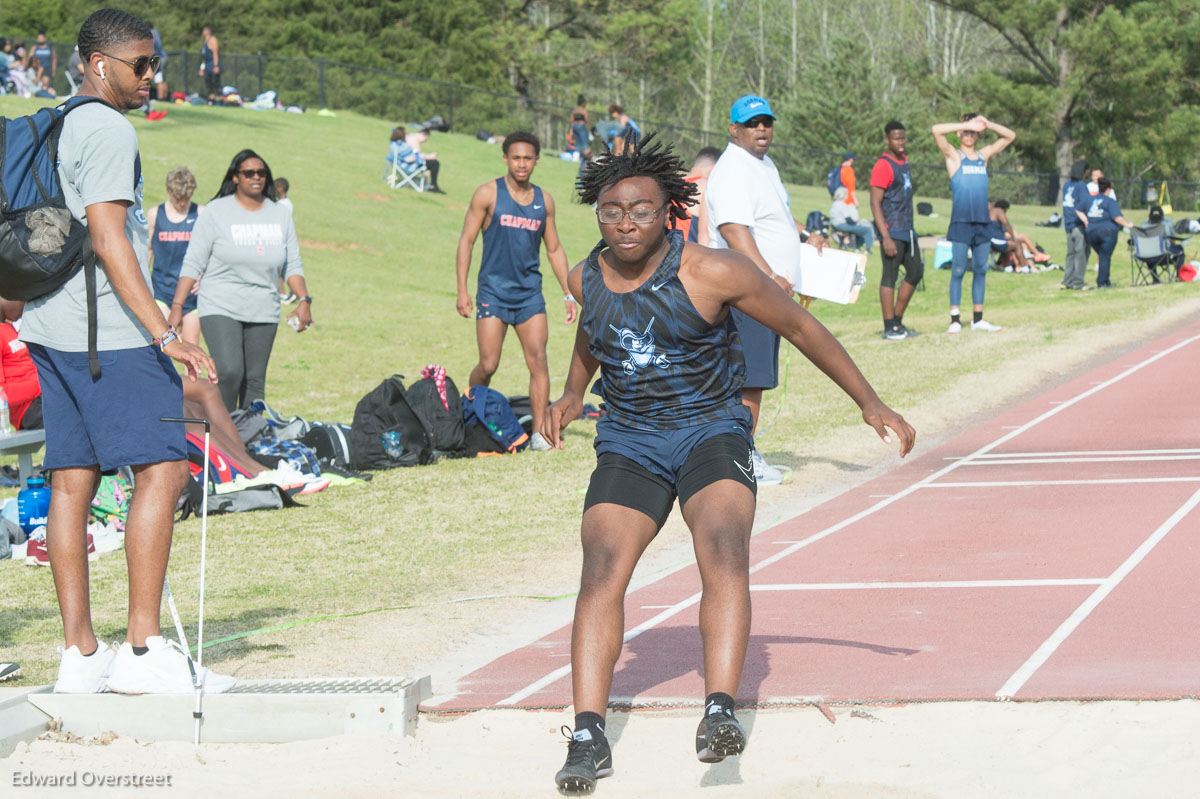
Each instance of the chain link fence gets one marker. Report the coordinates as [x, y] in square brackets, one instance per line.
[412, 99]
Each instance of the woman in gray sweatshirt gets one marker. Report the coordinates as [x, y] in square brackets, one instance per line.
[242, 245]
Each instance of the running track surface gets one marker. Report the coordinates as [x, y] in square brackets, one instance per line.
[1050, 553]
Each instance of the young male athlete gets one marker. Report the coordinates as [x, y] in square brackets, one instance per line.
[969, 220]
[656, 322]
[515, 216]
[892, 207]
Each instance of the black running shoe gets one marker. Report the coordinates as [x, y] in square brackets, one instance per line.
[587, 761]
[719, 736]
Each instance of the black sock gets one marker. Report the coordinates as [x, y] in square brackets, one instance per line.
[724, 702]
[139, 650]
[899, 319]
[888, 324]
[593, 722]
[954, 318]
[977, 316]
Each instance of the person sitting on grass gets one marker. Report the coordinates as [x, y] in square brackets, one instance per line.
[656, 322]
[843, 215]
[1004, 240]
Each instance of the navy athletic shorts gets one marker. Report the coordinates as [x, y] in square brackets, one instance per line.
[487, 306]
[760, 347]
[646, 469]
[971, 234]
[113, 421]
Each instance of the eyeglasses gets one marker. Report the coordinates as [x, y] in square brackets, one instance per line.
[641, 215]
[141, 65]
[252, 173]
[766, 122]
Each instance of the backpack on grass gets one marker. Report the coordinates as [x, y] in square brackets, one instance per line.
[42, 245]
[386, 410]
[487, 410]
[436, 401]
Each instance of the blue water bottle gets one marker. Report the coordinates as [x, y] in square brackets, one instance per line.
[393, 444]
[33, 504]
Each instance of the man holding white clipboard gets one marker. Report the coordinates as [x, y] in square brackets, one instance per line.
[749, 211]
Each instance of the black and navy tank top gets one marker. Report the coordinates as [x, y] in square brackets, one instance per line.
[509, 272]
[662, 364]
[169, 245]
[897, 200]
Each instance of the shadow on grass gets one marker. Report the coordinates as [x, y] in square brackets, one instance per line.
[13, 620]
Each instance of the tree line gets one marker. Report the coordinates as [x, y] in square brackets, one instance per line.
[1114, 82]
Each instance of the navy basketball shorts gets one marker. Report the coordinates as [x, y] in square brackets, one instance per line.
[113, 421]
[646, 469]
[760, 347]
[487, 306]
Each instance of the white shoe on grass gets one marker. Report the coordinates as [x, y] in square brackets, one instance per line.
[162, 670]
[538, 443]
[78, 674]
[985, 326]
[955, 327]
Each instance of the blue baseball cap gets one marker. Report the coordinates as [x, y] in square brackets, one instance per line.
[749, 106]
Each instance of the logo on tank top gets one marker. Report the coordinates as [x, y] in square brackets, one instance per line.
[974, 169]
[640, 349]
[907, 182]
[521, 222]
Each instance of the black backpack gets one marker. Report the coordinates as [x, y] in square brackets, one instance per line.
[385, 410]
[329, 440]
[42, 245]
[444, 423]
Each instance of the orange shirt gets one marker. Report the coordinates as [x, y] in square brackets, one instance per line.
[848, 182]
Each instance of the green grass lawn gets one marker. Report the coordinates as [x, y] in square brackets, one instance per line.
[380, 264]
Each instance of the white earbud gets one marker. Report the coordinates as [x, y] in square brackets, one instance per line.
[100, 66]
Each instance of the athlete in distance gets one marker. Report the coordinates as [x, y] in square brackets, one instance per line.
[656, 323]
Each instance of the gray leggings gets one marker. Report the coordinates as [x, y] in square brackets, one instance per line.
[241, 351]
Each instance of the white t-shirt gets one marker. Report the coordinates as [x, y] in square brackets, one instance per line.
[745, 190]
[98, 162]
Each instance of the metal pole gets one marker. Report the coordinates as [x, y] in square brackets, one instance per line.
[184, 65]
[321, 79]
[450, 110]
[260, 72]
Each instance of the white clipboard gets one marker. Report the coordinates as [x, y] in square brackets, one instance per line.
[833, 275]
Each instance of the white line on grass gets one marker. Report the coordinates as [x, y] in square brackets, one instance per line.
[559, 673]
[1017, 681]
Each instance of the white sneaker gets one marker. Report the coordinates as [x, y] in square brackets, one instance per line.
[84, 675]
[764, 473]
[538, 443]
[985, 326]
[955, 327]
[162, 670]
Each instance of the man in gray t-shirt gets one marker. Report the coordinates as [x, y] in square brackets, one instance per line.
[96, 424]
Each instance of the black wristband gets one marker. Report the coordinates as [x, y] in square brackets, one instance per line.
[804, 234]
[306, 299]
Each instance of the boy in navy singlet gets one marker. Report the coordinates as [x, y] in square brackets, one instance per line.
[969, 220]
[516, 217]
[656, 322]
[170, 225]
[892, 207]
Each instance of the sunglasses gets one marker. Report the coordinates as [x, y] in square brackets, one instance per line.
[766, 122]
[141, 65]
[641, 215]
[252, 173]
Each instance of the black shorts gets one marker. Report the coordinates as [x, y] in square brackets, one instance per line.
[622, 481]
[908, 254]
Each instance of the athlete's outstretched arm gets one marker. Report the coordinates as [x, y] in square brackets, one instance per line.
[477, 213]
[583, 367]
[751, 292]
[557, 257]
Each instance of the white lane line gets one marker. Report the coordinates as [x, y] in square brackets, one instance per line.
[1067, 581]
[1069, 453]
[1017, 681]
[559, 673]
[1104, 481]
[1109, 459]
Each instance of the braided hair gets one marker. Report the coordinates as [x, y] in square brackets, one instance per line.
[109, 28]
[643, 160]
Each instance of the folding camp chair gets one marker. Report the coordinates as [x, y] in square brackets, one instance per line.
[1147, 255]
[71, 82]
[406, 168]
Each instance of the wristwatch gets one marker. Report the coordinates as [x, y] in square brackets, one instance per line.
[306, 299]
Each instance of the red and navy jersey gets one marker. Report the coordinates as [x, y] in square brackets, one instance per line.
[509, 271]
[169, 245]
[897, 202]
[662, 364]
